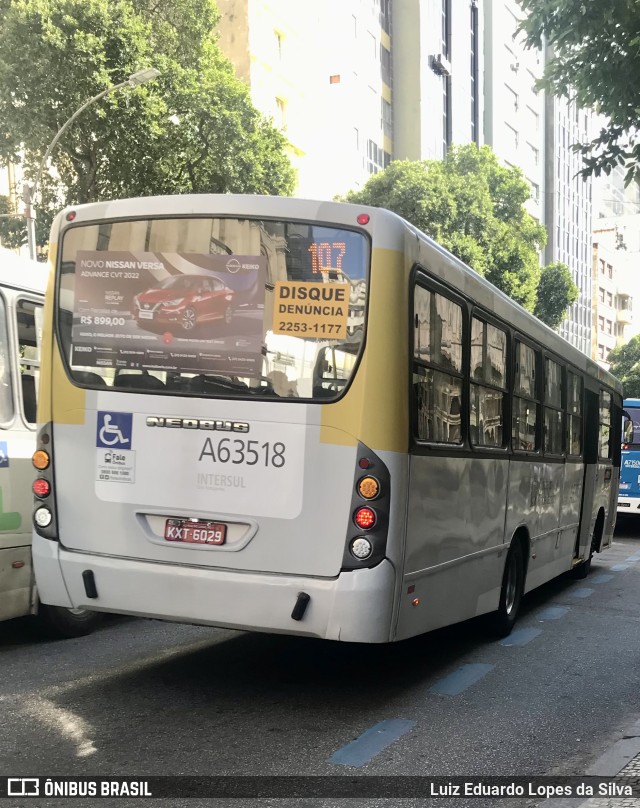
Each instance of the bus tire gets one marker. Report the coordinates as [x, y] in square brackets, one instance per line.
[503, 620]
[580, 572]
[59, 623]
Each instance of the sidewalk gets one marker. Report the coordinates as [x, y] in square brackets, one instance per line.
[621, 760]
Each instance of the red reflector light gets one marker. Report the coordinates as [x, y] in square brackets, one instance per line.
[364, 463]
[71, 215]
[363, 218]
[365, 518]
[41, 487]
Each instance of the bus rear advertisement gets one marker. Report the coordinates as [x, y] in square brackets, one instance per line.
[305, 417]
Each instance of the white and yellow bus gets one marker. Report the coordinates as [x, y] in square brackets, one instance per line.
[22, 286]
[305, 417]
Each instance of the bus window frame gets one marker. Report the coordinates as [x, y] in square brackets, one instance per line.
[580, 376]
[10, 343]
[20, 362]
[555, 456]
[420, 276]
[63, 346]
[518, 336]
[608, 460]
[507, 408]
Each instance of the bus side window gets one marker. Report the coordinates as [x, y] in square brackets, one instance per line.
[604, 419]
[6, 399]
[437, 367]
[29, 316]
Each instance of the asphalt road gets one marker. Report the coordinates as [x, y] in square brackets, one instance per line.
[142, 697]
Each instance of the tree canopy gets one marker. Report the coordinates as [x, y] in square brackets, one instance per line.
[625, 364]
[595, 55]
[474, 206]
[556, 292]
[193, 129]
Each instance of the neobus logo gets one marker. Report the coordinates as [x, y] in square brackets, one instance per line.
[198, 423]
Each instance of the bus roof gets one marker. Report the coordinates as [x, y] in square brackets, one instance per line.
[22, 273]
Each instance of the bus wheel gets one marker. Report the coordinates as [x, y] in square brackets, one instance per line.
[582, 570]
[503, 620]
[59, 623]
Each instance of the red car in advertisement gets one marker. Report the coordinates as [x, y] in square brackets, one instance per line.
[184, 302]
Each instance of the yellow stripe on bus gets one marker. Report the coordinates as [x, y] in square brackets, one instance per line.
[58, 400]
[376, 407]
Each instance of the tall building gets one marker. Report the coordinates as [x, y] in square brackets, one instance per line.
[612, 308]
[323, 73]
[568, 211]
[533, 131]
[514, 122]
[437, 68]
[354, 84]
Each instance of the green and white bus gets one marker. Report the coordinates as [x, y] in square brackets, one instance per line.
[308, 418]
[22, 287]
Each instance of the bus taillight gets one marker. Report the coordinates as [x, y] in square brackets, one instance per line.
[361, 547]
[366, 539]
[41, 487]
[41, 459]
[365, 518]
[368, 487]
[44, 515]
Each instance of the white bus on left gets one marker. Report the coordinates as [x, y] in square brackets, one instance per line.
[22, 288]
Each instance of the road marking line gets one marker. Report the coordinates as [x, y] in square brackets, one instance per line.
[582, 592]
[371, 742]
[619, 567]
[521, 636]
[552, 613]
[461, 679]
[601, 579]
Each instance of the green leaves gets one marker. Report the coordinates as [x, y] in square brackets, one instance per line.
[194, 129]
[556, 292]
[596, 57]
[625, 364]
[473, 206]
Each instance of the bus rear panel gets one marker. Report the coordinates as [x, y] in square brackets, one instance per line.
[193, 475]
[629, 494]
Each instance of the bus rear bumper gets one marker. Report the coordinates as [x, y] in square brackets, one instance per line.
[353, 607]
[633, 506]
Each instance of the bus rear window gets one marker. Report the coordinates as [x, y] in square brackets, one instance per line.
[213, 306]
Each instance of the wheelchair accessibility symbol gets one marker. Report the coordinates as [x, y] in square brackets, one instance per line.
[114, 430]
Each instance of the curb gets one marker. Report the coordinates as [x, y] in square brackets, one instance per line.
[620, 755]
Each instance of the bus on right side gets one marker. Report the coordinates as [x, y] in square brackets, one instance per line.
[629, 493]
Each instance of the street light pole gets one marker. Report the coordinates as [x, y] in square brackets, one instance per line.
[29, 191]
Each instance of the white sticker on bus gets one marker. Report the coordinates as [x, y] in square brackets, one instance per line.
[257, 473]
[116, 465]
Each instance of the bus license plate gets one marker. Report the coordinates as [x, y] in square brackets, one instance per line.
[189, 531]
